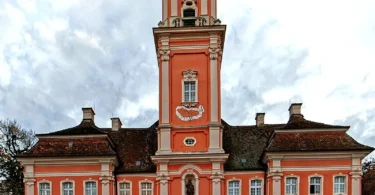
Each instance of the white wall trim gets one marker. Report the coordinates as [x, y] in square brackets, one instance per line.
[44, 181]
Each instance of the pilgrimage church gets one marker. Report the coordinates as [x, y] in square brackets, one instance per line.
[191, 150]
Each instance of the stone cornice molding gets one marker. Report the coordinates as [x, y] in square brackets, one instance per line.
[163, 179]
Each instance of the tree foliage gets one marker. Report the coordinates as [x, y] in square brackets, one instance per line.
[368, 178]
[14, 141]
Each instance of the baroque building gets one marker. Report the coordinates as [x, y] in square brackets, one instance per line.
[191, 150]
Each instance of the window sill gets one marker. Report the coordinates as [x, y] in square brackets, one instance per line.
[189, 104]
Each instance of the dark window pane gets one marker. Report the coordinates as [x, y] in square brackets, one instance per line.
[189, 13]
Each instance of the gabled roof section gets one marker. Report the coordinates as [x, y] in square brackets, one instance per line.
[314, 141]
[86, 127]
[298, 121]
[245, 145]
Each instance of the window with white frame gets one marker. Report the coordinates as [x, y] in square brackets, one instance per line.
[189, 91]
[67, 188]
[291, 185]
[90, 188]
[44, 189]
[339, 185]
[146, 188]
[125, 188]
[234, 188]
[255, 187]
[315, 185]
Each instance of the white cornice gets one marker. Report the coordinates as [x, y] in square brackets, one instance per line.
[65, 161]
[190, 29]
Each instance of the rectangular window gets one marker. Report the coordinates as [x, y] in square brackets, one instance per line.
[291, 186]
[67, 188]
[255, 187]
[234, 188]
[146, 189]
[340, 185]
[44, 189]
[125, 188]
[90, 188]
[189, 91]
[315, 185]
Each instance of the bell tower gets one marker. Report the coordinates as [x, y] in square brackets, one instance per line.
[189, 42]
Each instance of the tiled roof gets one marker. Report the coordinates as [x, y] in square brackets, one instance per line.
[65, 147]
[135, 148]
[245, 145]
[86, 127]
[314, 141]
[297, 121]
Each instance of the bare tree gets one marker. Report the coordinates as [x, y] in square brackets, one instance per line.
[368, 178]
[13, 141]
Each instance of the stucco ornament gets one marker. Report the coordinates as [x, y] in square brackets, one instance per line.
[215, 51]
[200, 111]
[164, 54]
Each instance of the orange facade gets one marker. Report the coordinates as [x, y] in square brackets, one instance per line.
[191, 150]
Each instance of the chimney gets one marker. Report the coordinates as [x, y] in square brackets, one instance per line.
[295, 108]
[116, 124]
[259, 119]
[88, 114]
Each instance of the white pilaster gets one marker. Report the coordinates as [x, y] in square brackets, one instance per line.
[356, 175]
[215, 51]
[165, 9]
[214, 146]
[213, 8]
[174, 7]
[106, 176]
[165, 139]
[276, 185]
[204, 8]
[163, 54]
[29, 186]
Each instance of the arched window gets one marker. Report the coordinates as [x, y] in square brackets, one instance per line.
[67, 188]
[234, 188]
[256, 187]
[90, 188]
[44, 188]
[189, 14]
[125, 188]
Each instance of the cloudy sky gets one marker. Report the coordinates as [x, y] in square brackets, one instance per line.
[59, 56]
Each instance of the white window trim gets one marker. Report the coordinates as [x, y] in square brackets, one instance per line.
[346, 183]
[291, 176]
[125, 181]
[64, 181]
[189, 76]
[193, 6]
[261, 184]
[146, 181]
[90, 180]
[195, 141]
[196, 177]
[321, 183]
[234, 179]
[44, 181]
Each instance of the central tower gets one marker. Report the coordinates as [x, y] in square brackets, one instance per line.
[189, 42]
